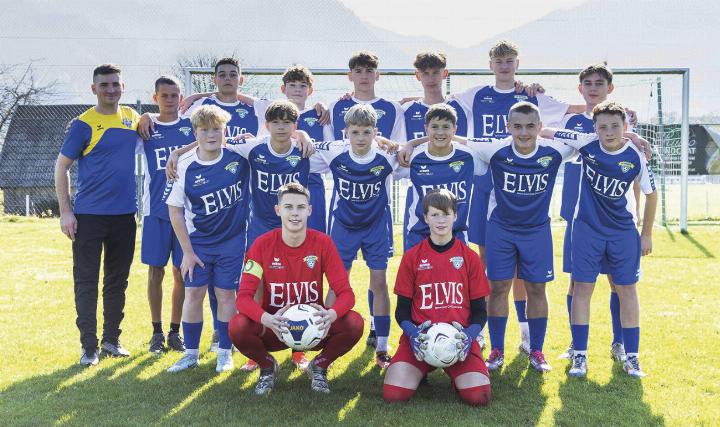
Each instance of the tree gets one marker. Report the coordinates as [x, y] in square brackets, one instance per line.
[204, 83]
[19, 86]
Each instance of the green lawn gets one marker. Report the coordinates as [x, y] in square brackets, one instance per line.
[42, 384]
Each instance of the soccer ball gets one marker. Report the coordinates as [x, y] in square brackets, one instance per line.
[442, 346]
[302, 334]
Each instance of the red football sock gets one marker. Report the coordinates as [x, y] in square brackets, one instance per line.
[393, 393]
[476, 396]
[344, 333]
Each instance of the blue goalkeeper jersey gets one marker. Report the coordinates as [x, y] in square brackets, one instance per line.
[166, 138]
[606, 201]
[215, 197]
[522, 184]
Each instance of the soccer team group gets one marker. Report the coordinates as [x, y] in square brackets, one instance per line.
[235, 194]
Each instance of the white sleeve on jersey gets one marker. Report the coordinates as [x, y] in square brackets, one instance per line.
[399, 134]
[177, 196]
[329, 129]
[485, 148]
[324, 154]
[261, 106]
[552, 111]
[244, 149]
[466, 98]
[574, 139]
[565, 150]
[646, 177]
[401, 172]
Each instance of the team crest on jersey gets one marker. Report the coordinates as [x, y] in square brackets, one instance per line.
[241, 112]
[293, 160]
[310, 121]
[377, 170]
[185, 130]
[520, 97]
[625, 166]
[232, 167]
[457, 262]
[380, 113]
[424, 265]
[456, 166]
[544, 161]
[276, 264]
[127, 123]
[310, 260]
[199, 180]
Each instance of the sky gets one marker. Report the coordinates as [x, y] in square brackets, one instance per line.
[460, 29]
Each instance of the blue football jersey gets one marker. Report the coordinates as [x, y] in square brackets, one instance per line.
[454, 172]
[215, 197]
[243, 117]
[166, 138]
[269, 171]
[415, 118]
[606, 201]
[390, 122]
[522, 183]
[571, 175]
[361, 184]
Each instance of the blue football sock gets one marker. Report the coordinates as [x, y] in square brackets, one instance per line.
[382, 330]
[223, 336]
[212, 299]
[496, 328]
[568, 300]
[580, 336]
[632, 339]
[617, 328]
[191, 333]
[537, 327]
[520, 309]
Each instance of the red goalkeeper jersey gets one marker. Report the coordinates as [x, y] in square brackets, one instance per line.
[292, 275]
[441, 284]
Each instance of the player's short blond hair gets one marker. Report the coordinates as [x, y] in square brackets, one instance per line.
[430, 60]
[209, 116]
[293, 188]
[610, 108]
[361, 115]
[503, 48]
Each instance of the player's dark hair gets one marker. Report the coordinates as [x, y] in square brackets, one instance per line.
[364, 58]
[167, 80]
[524, 107]
[601, 69]
[282, 110]
[430, 60]
[105, 69]
[608, 107]
[293, 188]
[228, 60]
[440, 199]
[441, 111]
[298, 73]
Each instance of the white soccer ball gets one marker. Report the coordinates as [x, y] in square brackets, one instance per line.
[442, 345]
[302, 334]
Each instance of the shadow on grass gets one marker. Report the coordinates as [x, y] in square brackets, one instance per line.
[698, 245]
[617, 403]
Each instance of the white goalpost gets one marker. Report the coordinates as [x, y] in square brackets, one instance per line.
[660, 96]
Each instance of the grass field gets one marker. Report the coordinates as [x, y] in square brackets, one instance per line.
[42, 384]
